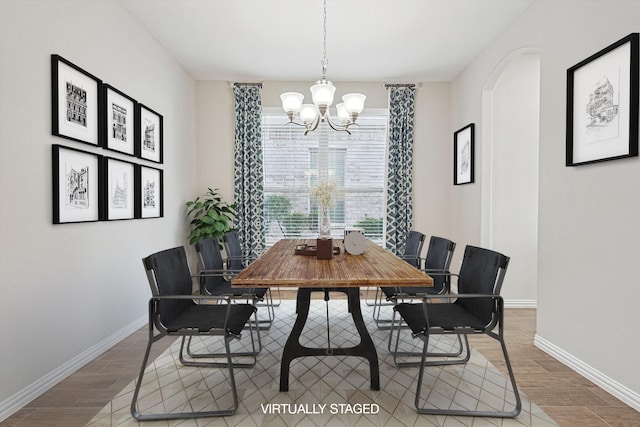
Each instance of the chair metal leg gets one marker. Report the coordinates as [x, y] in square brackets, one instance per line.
[397, 353]
[145, 359]
[366, 297]
[279, 300]
[500, 414]
[255, 351]
[180, 415]
[377, 309]
[265, 324]
[376, 297]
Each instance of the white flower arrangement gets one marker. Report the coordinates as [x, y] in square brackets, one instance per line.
[325, 194]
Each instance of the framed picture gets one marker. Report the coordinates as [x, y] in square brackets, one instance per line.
[74, 102]
[118, 189]
[76, 188]
[149, 191]
[463, 157]
[602, 105]
[148, 134]
[118, 112]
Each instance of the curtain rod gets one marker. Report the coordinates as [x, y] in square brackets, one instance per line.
[246, 84]
[399, 85]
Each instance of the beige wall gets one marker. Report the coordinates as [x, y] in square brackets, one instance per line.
[589, 238]
[432, 171]
[215, 137]
[68, 292]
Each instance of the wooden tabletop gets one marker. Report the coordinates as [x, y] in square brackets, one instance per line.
[278, 266]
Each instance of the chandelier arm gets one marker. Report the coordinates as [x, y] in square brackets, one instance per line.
[295, 123]
[337, 127]
[313, 126]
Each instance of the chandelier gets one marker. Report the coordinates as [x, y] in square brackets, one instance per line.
[322, 95]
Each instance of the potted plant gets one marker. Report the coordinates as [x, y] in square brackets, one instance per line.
[210, 215]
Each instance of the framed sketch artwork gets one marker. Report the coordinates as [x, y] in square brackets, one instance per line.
[76, 189]
[148, 134]
[118, 189]
[74, 99]
[463, 160]
[602, 105]
[119, 117]
[148, 192]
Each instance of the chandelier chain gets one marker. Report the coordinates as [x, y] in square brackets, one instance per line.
[324, 42]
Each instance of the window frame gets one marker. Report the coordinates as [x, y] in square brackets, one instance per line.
[271, 113]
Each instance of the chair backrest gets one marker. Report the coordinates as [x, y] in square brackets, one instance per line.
[210, 259]
[168, 274]
[413, 248]
[439, 255]
[233, 247]
[482, 272]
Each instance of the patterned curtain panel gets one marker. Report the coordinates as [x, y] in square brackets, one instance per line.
[399, 177]
[248, 173]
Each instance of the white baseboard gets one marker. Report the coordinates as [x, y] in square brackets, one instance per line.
[618, 390]
[38, 387]
[521, 303]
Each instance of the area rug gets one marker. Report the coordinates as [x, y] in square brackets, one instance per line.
[323, 391]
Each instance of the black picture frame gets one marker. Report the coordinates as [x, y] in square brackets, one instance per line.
[76, 178]
[149, 194]
[118, 111]
[118, 189]
[75, 102]
[602, 105]
[149, 134]
[463, 155]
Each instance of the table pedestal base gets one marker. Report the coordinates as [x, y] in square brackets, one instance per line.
[293, 349]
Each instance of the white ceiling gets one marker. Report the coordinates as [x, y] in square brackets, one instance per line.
[367, 40]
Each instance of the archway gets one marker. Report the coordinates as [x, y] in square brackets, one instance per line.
[509, 171]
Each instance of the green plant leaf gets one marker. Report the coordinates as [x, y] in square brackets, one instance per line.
[209, 215]
[208, 220]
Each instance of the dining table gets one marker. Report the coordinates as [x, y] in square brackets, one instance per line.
[280, 266]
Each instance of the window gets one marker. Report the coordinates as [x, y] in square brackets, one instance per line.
[294, 164]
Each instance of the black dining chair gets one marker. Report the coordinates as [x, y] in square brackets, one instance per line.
[436, 264]
[233, 248]
[476, 309]
[173, 311]
[237, 261]
[215, 279]
[411, 254]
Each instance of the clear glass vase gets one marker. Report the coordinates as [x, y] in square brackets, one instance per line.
[324, 223]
